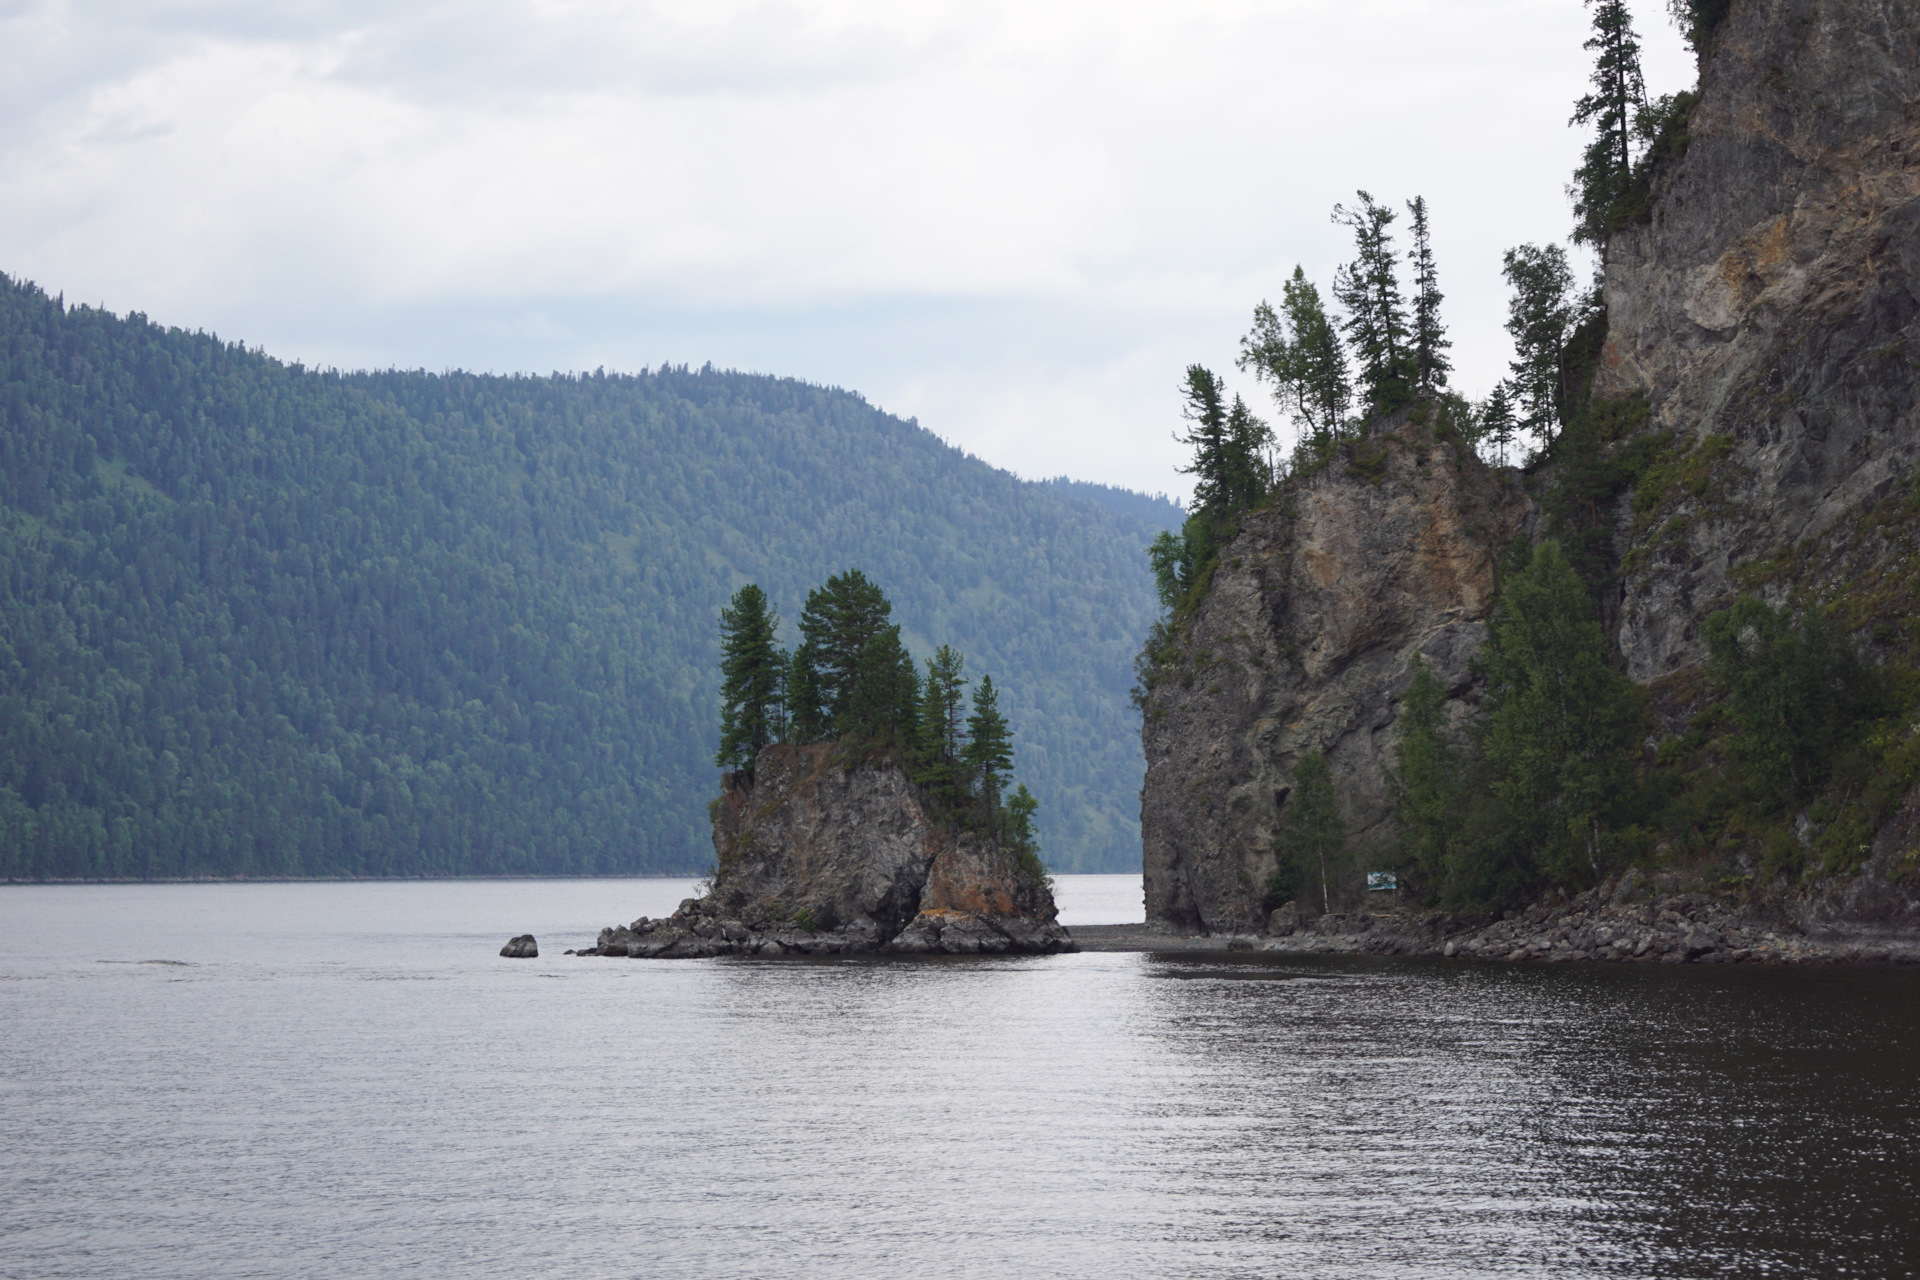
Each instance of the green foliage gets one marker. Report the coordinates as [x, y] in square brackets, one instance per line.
[1298, 351]
[1228, 443]
[1540, 319]
[1604, 452]
[1619, 93]
[1369, 290]
[1426, 780]
[1496, 424]
[1313, 837]
[1021, 806]
[942, 727]
[1430, 341]
[262, 620]
[1698, 20]
[1561, 723]
[1798, 695]
[988, 753]
[753, 676]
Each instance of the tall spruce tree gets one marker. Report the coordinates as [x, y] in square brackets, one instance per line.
[753, 674]
[883, 708]
[989, 750]
[1298, 351]
[1540, 319]
[1498, 424]
[1227, 442]
[1612, 110]
[840, 619]
[1369, 289]
[1561, 723]
[942, 724]
[1430, 342]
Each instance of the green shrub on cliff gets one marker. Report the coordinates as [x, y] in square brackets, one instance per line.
[1313, 837]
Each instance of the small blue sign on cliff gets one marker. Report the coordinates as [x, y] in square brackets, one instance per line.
[1382, 880]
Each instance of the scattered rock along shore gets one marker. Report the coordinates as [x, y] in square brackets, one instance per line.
[1624, 921]
[818, 858]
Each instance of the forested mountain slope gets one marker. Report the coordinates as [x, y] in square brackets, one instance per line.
[261, 620]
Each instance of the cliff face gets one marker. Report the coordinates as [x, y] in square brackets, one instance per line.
[1768, 313]
[1767, 316]
[1304, 640]
[819, 859]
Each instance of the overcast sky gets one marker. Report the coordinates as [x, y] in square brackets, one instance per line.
[1017, 222]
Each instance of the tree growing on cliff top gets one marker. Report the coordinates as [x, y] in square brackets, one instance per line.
[1602, 182]
[753, 673]
[1228, 445]
[1430, 342]
[1369, 290]
[1540, 319]
[1298, 351]
[840, 619]
[883, 709]
[989, 750]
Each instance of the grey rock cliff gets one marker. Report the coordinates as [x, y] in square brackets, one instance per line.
[1771, 304]
[816, 858]
[1767, 315]
[1304, 640]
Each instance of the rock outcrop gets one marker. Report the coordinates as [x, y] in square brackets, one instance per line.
[819, 859]
[1304, 640]
[521, 948]
[1767, 316]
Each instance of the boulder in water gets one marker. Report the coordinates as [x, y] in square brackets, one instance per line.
[521, 948]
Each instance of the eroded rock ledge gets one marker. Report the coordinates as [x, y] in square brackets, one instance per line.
[817, 859]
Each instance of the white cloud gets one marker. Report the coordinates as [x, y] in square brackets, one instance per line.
[1017, 222]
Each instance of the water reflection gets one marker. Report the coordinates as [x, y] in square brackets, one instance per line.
[345, 1080]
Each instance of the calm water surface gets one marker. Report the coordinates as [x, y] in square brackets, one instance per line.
[343, 1080]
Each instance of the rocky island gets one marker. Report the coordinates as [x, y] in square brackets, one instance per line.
[814, 858]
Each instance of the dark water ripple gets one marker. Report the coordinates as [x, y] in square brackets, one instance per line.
[342, 1080]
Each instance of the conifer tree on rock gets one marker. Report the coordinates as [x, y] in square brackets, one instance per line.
[884, 706]
[942, 724]
[1430, 342]
[1540, 318]
[1313, 836]
[1613, 109]
[753, 676]
[1369, 289]
[989, 750]
[841, 618]
[1298, 350]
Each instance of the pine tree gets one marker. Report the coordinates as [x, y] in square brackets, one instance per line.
[1425, 781]
[1369, 289]
[1312, 834]
[1612, 109]
[942, 724]
[989, 750]
[1021, 806]
[1430, 342]
[752, 678]
[1206, 410]
[840, 619]
[883, 708]
[1540, 317]
[806, 715]
[1298, 350]
[1498, 426]
[1561, 723]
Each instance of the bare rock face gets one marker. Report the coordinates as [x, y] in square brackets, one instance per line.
[1768, 314]
[521, 948]
[815, 858]
[1304, 640]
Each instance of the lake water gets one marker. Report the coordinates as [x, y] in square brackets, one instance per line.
[344, 1080]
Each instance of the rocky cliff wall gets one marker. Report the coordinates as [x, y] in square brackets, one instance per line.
[1303, 640]
[817, 858]
[1767, 314]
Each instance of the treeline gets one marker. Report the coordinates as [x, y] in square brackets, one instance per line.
[851, 681]
[262, 620]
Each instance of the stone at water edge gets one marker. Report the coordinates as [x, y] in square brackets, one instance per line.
[521, 948]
